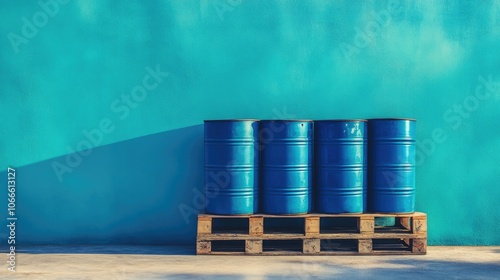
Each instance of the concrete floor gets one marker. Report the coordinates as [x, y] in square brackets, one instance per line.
[120, 262]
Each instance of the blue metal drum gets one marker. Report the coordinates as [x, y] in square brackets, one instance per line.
[340, 166]
[231, 166]
[286, 166]
[391, 165]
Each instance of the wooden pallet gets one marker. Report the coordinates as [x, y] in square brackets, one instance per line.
[362, 237]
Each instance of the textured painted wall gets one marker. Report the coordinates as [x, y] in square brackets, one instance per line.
[128, 87]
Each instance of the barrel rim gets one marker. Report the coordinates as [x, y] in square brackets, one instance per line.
[286, 120]
[342, 120]
[232, 120]
[388, 119]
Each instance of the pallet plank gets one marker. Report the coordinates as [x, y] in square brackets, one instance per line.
[294, 236]
[410, 232]
[329, 253]
[396, 215]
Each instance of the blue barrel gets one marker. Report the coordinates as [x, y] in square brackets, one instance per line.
[340, 166]
[286, 166]
[391, 165]
[231, 166]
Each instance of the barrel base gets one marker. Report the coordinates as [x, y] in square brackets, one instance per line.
[325, 212]
[395, 213]
[283, 205]
[235, 215]
[340, 204]
[230, 206]
[391, 204]
[285, 214]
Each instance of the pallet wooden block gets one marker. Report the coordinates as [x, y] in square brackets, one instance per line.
[311, 246]
[311, 226]
[253, 246]
[408, 236]
[365, 246]
[204, 225]
[366, 224]
[256, 225]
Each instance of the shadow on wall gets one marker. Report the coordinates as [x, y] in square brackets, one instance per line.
[123, 193]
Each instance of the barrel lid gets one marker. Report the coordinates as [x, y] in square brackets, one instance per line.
[233, 120]
[342, 120]
[388, 119]
[291, 120]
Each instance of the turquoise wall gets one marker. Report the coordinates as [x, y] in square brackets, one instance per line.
[102, 105]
